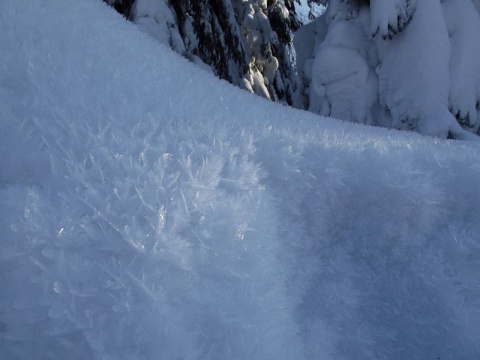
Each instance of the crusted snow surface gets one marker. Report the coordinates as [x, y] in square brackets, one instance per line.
[149, 210]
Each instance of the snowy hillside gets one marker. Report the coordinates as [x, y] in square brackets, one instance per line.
[151, 211]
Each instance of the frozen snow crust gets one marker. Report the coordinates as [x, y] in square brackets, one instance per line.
[151, 211]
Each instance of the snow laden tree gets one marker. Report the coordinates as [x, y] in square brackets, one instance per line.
[246, 42]
[122, 6]
[406, 64]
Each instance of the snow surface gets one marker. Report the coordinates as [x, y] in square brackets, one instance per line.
[151, 211]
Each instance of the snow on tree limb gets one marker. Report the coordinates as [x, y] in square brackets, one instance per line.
[428, 72]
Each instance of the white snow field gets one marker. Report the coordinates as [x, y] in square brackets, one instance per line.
[151, 211]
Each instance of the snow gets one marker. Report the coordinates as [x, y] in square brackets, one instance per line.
[155, 18]
[149, 210]
[342, 77]
[412, 102]
[465, 70]
[425, 49]
[421, 74]
[389, 17]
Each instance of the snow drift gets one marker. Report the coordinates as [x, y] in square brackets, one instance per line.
[151, 211]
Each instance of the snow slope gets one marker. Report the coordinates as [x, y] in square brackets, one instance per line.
[151, 211]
